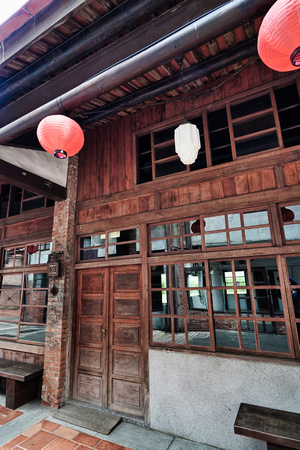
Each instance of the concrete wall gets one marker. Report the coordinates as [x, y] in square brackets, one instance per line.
[198, 396]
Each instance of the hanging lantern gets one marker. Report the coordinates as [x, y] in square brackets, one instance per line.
[31, 249]
[196, 226]
[279, 36]
[287, 214]
[60, 136]
[187, 142]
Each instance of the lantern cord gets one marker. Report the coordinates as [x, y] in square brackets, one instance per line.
[179, 61]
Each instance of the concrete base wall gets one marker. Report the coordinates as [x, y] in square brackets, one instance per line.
[198, 396]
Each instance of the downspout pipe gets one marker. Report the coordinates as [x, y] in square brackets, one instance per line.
[86, 40]
[219, 62]
[181, 41]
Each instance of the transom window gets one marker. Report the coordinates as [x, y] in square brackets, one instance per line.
[110, 244]
[24, 293]
[14, 200]
[208, 233]
[267, 121]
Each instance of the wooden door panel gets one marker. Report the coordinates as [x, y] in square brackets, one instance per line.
[126, 307]
[126, 377]
[90, 387]
[126, 335]
[90, 359]
[91, 349]
[125, 363]
[126, 394]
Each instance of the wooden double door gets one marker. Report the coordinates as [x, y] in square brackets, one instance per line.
[109, 361]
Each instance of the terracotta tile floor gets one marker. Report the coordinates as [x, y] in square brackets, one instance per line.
[49, 435]
[6, 414]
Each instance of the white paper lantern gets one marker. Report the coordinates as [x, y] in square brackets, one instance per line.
[187, 142]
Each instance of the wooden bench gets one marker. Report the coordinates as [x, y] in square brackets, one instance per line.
[280, 429]
[22, 382]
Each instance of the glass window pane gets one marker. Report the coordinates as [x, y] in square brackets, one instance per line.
[35, 297]
[264, 271]
[167, 168]
[159, 277]
[193, 243]
[257, 144]
[175, 229]
[19, 256]
[9, 330]
[226, 333]
[159, 231]
[161, 302]
[32, 254]
[216, 240]
[218, 301]
[36, 280]
[215, 223]
[236, 237]
[258, 235]
[11, 281]
[32, 333]
[198, 332]
[33, 315]
[45, 252]
[96, 253]
[251, 106]
[161, 245]
[176, 272]
[244, 300]
[162, 331]
[176, 245]
[123, 236]
[123, 249]
[234, 220]
[194, 275]
[264, 122]
[217, 270]
[9, 258]
[197, 300]
[292, 231]
[179, 330]
[178, 303]
[93, 241]
[248, 335]
[293, 264]
[255, 218]
[272, 336]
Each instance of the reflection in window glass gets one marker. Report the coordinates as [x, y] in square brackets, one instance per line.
[236, 237]
[234, 220]
[197, 300]
[226, 334]
[272, 336]
[159, 231]
[33, 315]
[216, 240]
[175, 229]
[292, 231]
[248, 334]
[215, 223]
[256, 218]
[45, 252]
[33, 254]
[179, 330]
[162, 331]
[198, 332]
[258, 235]
[32, 333]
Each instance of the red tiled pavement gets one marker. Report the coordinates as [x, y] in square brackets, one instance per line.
[52, 436]
[6, 414]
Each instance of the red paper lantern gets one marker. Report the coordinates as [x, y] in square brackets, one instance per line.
[60, 136]
[279, 36]
[32, 249]
[287, 214]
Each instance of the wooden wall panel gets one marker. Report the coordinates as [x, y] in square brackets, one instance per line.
[29, 227]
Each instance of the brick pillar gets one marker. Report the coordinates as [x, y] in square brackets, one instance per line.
[59, 316]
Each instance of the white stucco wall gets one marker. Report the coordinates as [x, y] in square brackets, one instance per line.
[198, 396]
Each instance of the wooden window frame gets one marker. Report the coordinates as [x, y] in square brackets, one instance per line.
[240, 98]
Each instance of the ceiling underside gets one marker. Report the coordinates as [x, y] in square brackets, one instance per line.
[96, 61]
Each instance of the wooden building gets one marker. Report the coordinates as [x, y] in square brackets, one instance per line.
[177, 296]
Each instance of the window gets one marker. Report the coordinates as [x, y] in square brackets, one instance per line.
[228, 288]
[14, 200]
[24, 293]
[255, 128]
[110, 244]
[251, 319]
[207, 233]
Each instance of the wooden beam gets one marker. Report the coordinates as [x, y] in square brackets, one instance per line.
[26, 180]
[37, 27]
[106, 57]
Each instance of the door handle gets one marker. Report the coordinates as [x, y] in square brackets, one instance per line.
[104, 331]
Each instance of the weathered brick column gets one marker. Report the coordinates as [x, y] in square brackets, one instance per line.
[59, 316]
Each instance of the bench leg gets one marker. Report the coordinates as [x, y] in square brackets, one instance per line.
[18, 392]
